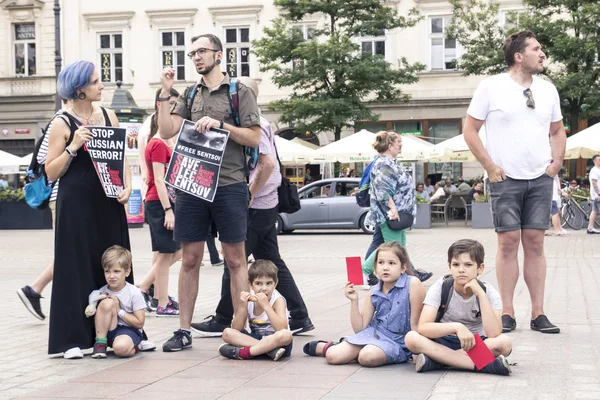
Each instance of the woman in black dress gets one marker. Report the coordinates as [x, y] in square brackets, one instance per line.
[88, 222]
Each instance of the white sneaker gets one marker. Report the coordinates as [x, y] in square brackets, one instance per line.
[73, 353]
[146, 345]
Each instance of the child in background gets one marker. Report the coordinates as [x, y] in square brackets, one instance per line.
[470, 309]
[120, 317]
[390, 311]
[266, 312]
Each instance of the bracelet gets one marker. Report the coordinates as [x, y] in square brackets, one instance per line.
[220, 124]
[70, 153]
[168, 208]
[163, 98]
[120, 314]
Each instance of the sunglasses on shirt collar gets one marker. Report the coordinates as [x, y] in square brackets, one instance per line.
[530, 102]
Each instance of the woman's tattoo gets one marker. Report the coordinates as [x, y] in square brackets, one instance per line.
[65, 168]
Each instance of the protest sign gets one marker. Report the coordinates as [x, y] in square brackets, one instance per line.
[196, 162]
[107, 151]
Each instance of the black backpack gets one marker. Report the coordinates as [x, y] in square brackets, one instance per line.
[447, 290]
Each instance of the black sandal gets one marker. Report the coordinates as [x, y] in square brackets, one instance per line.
[310, 348]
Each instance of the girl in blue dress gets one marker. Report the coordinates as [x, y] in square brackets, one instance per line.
[390, 311]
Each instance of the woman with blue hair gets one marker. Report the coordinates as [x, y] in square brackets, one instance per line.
[88, 222]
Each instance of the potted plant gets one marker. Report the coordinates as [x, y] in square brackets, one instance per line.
[423, 220]
[16, 214]
[481, 213]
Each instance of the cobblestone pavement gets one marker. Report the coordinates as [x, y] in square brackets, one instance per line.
[561, 366]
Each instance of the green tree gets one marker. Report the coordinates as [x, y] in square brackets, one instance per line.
[332, 80]
[568, 31]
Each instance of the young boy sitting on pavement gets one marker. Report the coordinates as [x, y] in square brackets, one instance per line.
[469, 309]
[266, 312]
[121, 313]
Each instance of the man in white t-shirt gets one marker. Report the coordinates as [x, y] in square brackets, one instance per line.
[594, 194]
[525, 146]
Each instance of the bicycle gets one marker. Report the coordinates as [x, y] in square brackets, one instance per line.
[573, 215]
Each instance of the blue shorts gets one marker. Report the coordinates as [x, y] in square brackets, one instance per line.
[288, 348]
[596, 205]
[554, 207]
[229, 211]
[133, 333]
[451, 341]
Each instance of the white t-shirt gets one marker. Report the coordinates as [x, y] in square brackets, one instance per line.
[439, 194]
[261, 324]
[517, 137]
[556, 190]
[130, 297]
[460, 309]
[594, 174]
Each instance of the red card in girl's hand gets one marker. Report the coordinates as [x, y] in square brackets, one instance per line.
[481, 355]
[354, 268]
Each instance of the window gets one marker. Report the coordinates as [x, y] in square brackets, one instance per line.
[111, 57]
[237, 51]
[308, 32]
[316, 191]
[24, 41]
[443, 50]
[18, 147]
[172, 51]
[374, 45]
[345, 189]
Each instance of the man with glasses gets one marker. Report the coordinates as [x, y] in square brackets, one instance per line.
[229, 210]
[525, 145]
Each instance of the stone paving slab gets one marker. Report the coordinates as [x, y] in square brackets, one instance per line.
[561, 366]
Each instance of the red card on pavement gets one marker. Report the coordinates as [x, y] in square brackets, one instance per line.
[354, 268]
[481, 355]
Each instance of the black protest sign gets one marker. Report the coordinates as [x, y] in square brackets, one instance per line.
[196, 162]
[107, 151]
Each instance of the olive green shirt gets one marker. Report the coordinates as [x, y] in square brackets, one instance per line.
[215, 104]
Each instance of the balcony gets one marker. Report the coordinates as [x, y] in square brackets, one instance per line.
[20, 86]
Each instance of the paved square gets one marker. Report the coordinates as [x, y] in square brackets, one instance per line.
[561, 366]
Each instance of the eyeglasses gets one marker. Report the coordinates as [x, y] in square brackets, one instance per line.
[530, 102]
[201, 52]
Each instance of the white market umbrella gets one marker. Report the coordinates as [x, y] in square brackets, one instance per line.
[26, 160]
[304, 143]
[584, 144]
[454, 149]
[358, 147]
[9, 163]
[290, 151]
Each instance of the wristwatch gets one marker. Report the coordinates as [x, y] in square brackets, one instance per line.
[168, 208]
[163, 98]
[70, 153]
[220, 124]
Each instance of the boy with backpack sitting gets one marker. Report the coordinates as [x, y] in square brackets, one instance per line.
[457, 307]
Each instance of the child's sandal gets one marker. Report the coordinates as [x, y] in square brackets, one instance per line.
[310, 348]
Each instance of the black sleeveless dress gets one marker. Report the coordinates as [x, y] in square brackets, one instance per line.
[87, 224]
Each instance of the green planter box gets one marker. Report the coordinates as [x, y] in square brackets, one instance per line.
[18, 215]
[423, 220]
[481, 215]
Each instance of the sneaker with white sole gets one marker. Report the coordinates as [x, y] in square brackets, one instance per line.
[210, 328]
[499, 366]
[73, 354]
[167, 311]
[31, 299]
[179, 341]
[146, 345]
[276, 354]
[99, 350]
[424, 364]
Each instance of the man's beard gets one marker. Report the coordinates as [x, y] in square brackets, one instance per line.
[207, 70]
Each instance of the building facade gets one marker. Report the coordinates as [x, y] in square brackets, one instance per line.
[133, 40]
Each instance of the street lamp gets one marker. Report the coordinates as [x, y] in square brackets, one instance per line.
[57, 57]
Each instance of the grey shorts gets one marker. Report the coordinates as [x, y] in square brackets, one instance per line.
[596, 205]
[521, 204]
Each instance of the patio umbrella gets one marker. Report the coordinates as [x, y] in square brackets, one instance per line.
[9, 163]
[358, 147]
[304, 143]
[291, 152]
[26, 160]
[454, 149]
[584, 144]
